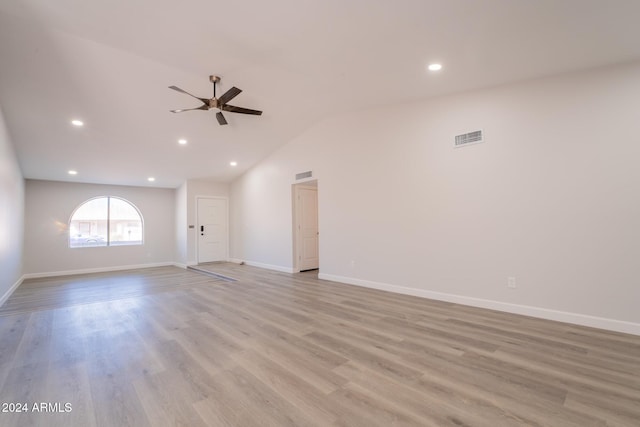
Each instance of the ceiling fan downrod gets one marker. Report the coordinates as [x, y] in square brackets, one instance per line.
[214, 80]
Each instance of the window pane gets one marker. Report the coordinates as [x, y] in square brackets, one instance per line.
[125, 226]
[88, 225]
[105, 221]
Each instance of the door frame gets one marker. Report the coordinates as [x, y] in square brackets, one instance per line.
[226, 237]
[308, 184]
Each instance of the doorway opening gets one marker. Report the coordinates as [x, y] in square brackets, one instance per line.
[306, 254]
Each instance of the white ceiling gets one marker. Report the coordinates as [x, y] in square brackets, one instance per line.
[109, 63]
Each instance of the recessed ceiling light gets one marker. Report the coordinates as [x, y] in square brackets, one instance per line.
[435, 67]
[72, 172]
[182, 141]
[77, 123]
[233, 163]
[151, 179]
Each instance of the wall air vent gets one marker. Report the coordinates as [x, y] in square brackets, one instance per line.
[475, 137]
[303, 175]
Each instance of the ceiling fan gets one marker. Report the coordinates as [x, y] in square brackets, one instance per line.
[219, 103]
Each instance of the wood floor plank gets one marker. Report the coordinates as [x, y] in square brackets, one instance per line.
[68, 384]
[115, 399]
[36, 339]
[369, 357]
[294, 389]
[241, 399]
[25, 385]
[615, 412]
[206, 349]
[180, 364]
[305, 362]
[367, 409]
[166, 402]
[11, 332]
[436, 405]
[172, 347]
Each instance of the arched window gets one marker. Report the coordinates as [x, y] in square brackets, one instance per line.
[105, 221]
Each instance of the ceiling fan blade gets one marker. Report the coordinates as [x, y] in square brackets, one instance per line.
[203, 107]
[229, 95]
[221, 118]
[234, 109]
[176, 88]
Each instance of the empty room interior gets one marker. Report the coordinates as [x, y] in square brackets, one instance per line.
[320, 213]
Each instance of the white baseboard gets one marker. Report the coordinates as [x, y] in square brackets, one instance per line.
[542, 313]
[96, 270]
[267, 266]
[184, 265]
[11, 290]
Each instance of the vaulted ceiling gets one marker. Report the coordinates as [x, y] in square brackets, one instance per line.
[109, 64]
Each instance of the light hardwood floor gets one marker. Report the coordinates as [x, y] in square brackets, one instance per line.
[173, 347]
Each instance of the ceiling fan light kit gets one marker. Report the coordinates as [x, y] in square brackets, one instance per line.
[218, 103]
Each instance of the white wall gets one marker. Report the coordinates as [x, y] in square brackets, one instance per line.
[49, 206]
[551, 198]
[261, 211]
[11, 215]
[181, 254]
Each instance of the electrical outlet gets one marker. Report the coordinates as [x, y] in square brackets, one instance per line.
[353, 264]
[511, 282]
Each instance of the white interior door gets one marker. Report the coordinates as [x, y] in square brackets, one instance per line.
[307, 228]
[212, 229]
